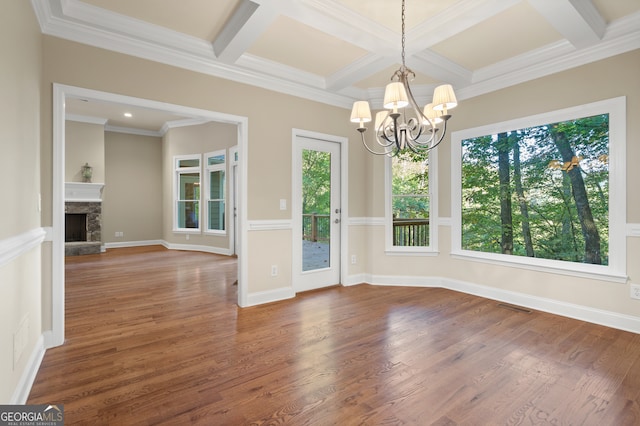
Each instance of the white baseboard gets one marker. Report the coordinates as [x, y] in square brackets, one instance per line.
[355, 279]
[579, 312]
[21, 393]
[193, 247]
[570, 310]
[170, 246]
[404, 281]
[121, 244]
[269, 296]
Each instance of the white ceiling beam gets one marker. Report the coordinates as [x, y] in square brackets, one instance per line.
[358, 70]
[577, 20]
[454, 20]
[334, 18]
[244, 27]
[430, 63]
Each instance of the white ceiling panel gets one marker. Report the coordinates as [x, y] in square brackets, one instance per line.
[297, 45]
[514, 32]
[198, 18]
[338, 51]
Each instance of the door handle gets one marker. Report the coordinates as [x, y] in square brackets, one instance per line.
[337, 221]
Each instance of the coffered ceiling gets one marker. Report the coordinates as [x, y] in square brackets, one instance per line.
[338, 51]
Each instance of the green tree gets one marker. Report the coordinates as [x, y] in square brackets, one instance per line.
[316, 182]
[541, 169]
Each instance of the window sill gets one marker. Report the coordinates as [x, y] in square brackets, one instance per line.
[216, 233]
[191, 231]
[581, 270]
[411, 251]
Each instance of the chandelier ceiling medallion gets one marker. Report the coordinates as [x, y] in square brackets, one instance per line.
[404, 125]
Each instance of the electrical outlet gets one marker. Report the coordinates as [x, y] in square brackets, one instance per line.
[274, 270]
[635, 291]
[353, 259]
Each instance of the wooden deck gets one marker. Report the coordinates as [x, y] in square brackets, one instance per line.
[155, 337]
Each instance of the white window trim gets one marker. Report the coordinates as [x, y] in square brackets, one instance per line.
[616, 270]
[432, 248]
[176, 172]
[205, 195]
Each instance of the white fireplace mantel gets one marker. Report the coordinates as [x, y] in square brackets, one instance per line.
[83, 191]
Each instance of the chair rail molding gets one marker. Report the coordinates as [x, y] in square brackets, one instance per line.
[13, 247]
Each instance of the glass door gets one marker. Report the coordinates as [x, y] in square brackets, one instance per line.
[317, 215]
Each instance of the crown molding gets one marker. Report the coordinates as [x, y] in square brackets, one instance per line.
[77, 21]
[86, 119]
[133, 131]
[180, 53]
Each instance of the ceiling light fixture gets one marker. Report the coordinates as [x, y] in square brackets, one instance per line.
[406, 125]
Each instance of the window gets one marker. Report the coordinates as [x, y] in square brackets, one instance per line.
[215, 191]
[410, 227]
[187, 192]
[546, 191]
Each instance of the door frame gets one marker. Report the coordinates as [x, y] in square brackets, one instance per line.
[234, 159]
[344, 205]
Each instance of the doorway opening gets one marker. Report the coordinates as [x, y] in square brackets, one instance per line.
[61, 93]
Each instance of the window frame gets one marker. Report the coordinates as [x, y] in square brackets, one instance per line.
[615, 271]
[205, 195]
[176, 191]
[432, 248]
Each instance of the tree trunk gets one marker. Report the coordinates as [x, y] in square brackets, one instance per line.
[522, 201]
[505, 194]
[579, 191]
[569, 235]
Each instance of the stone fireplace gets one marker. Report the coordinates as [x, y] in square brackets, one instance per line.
[83, 218]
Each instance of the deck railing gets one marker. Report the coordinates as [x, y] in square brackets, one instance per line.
[406, 232]
[410, 232]
[315, 227]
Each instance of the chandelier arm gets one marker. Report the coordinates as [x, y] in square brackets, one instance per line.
[364, 142]
[382, 144]
[381, 133]
[396, 131]
[423, 122]
[444, 132]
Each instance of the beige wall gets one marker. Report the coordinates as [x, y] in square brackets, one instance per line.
[610, 78]
[20, 292]
[84, 144]
[271, 118]
[132, 196]
[197, 139]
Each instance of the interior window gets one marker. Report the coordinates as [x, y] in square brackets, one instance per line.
[187, 194]
[216, 191]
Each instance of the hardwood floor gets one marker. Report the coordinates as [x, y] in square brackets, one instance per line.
[155, 337]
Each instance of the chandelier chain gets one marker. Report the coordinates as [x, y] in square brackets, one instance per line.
[403, 36]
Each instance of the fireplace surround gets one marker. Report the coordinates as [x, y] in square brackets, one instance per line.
[83, 219]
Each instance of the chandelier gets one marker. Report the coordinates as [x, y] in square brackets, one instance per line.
[405, 125]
